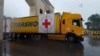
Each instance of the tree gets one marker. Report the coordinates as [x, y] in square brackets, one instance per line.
[93, 21]
[88, 24]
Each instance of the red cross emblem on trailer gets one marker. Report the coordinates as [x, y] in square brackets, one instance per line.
[46, 23]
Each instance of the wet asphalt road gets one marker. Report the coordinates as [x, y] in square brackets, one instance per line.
[89, 47]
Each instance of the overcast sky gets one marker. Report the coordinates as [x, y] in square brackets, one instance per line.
[16, 8]
[19, 8]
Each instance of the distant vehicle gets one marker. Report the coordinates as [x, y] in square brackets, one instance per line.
[67, 24]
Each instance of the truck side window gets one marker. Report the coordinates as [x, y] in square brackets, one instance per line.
[63, 21]
[76, 22]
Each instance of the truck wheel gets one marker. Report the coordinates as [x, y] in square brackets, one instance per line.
[44, 37]
[71, 38]
[12, 36]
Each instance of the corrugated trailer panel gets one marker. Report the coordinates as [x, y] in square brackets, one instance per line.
[57, 22]
[57, 28]
[31, 24]
[25, 25]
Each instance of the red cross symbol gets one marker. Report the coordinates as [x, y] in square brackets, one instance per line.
[46, 23]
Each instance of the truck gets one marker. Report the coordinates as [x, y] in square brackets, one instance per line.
[45, 26]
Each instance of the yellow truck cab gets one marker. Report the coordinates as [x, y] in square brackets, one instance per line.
[71, 25]
[68, 24]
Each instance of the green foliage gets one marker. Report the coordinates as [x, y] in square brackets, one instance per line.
[95, 18]
[93, 21]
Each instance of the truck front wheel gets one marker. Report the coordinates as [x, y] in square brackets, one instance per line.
[71, 38]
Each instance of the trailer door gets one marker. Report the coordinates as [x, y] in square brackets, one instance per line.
[46, 23]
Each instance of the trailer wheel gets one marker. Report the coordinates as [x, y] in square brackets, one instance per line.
[71, 38]
[44, 37]
[12, 36]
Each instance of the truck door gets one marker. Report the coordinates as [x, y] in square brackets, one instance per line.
[77, 26]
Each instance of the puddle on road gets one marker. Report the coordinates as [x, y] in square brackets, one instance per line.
[92, 45]
[4, 49]
[94, 40]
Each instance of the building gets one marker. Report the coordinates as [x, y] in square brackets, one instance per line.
[40, 7]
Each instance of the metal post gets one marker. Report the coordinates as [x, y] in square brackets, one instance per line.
[1, 18]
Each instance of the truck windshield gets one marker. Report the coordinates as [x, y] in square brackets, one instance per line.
[76, 23]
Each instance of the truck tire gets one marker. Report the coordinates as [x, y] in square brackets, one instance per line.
[12, 36]
[44, 37]
[9, 35]
[71, 38]
[18, 36]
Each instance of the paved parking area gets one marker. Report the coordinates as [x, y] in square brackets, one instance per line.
[89, 47]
